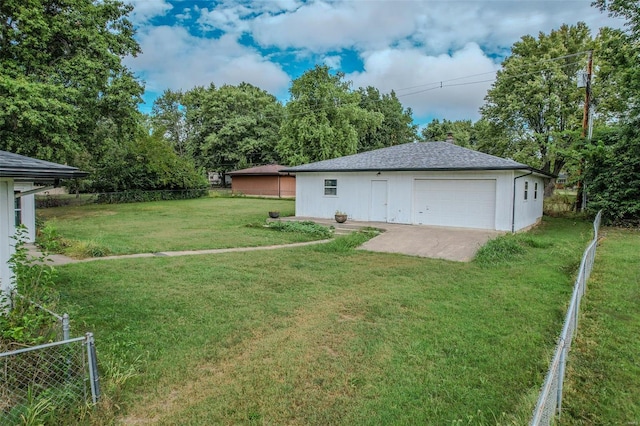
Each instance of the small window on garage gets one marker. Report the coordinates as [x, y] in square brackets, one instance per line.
[526, 190]
[330, 187]
[535, 191]
[18, 209]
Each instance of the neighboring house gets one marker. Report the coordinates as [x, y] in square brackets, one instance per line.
[428, 183]
[20, 178]
[267, 181]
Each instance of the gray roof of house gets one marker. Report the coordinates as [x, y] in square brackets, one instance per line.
[26, 168]
[423, 156]
[268, 170]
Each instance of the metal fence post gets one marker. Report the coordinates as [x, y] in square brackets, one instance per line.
[563, 360]
[66, 328]
[93, 368]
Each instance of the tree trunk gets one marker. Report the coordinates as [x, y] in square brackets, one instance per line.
[549, 187]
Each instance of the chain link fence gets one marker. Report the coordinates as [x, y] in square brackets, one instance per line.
[48, 382]
[550, 400]
[45, 384]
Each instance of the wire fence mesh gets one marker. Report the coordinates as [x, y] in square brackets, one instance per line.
[48, 381]
[549, 403]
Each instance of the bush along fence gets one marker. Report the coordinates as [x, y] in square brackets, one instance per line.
[137, 196]
[550, 400]
[130, 196]
[47, 383]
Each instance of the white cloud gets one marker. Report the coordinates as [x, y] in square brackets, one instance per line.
[174, 59]
[225, 18]
[443, 86]
[323, 26]
[402, 43]
[332, 61]
[438, 26]
[144, 10]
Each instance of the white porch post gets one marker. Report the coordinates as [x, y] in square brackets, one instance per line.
[7, 230]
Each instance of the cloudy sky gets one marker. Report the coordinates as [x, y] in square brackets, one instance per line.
[439, 56]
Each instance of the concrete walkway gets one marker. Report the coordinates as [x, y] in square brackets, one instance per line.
[458, 244]
[60, 259]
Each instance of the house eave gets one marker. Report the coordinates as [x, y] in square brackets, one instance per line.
[420, 169]
[41, 176]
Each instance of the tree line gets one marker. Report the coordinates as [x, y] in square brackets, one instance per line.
[66, 96]
[233, 127]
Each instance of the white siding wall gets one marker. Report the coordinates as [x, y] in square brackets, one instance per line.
[7, 230]
[28, 209]
[354, 195]
[529, 211]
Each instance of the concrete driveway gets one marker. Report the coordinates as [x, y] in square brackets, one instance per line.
[459, 244]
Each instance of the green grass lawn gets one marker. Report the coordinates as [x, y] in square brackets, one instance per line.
[204, 223]
[324, 334]
[603, 378]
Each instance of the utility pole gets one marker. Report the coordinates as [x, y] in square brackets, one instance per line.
[585, 127]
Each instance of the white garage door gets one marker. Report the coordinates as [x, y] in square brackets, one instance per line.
[465, 203]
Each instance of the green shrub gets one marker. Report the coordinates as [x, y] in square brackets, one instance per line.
[47, 201]
[306, 227]
[50, 240]
[139, 196]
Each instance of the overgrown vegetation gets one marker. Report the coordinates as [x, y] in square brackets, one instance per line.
[509, 247]
[304, 227]
[613, 176]
[26, 324]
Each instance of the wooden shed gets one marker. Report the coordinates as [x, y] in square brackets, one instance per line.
[267, 181]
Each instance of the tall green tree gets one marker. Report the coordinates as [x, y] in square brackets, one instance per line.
[397, 125]
[231, 127]
[168, 120]
[145, 162]
[245, 121]
[623, 53]
[461, 130]
[612, 178]
[323, 118]
[535, 97]
[61, 74]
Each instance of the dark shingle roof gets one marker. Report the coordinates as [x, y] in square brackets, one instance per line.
[268, 170]
[429, 156]
[27, 168]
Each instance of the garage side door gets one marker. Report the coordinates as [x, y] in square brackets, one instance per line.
[465, 203]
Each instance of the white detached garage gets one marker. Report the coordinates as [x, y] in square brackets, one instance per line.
[424, 183]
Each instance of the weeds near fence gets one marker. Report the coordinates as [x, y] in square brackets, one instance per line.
[26, 323]
[507, 248]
